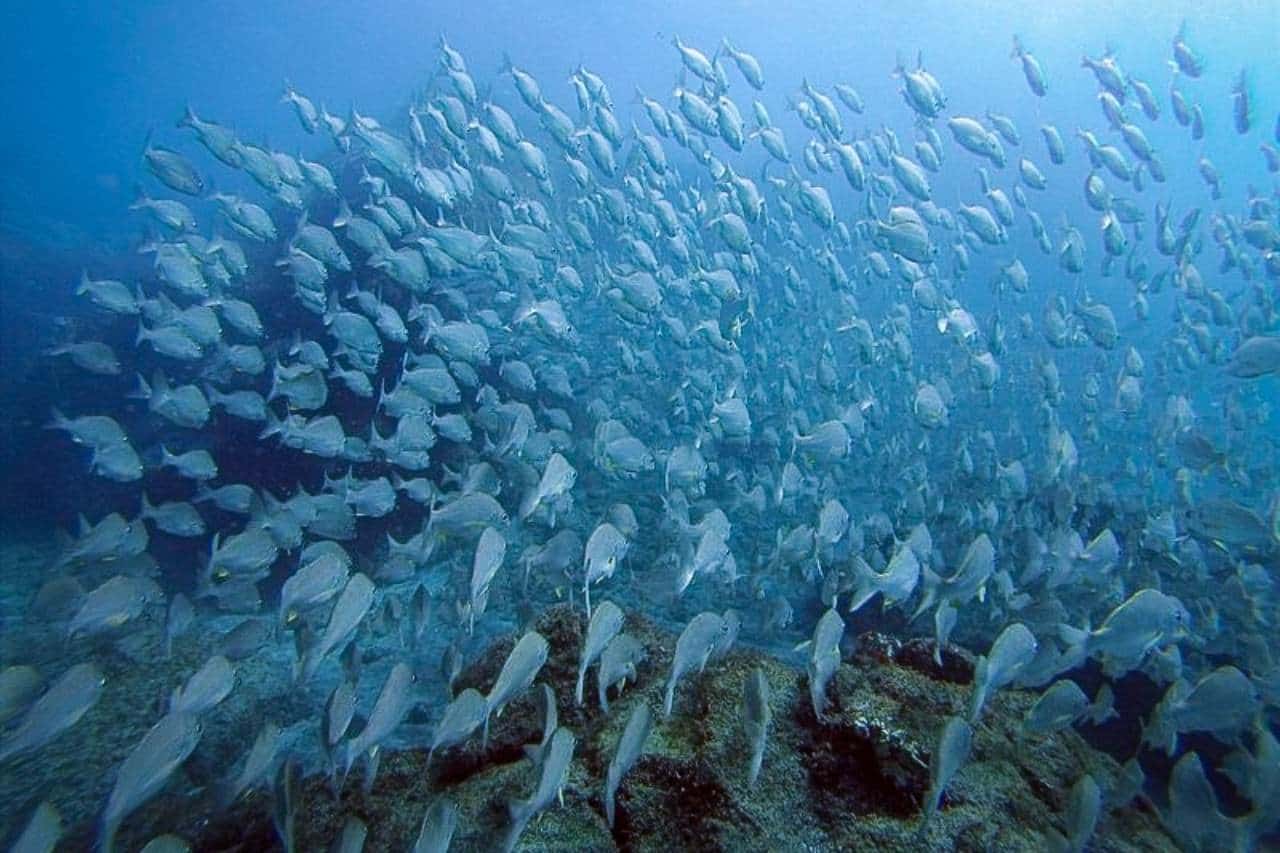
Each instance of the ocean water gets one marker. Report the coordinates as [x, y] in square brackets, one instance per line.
[953, 387]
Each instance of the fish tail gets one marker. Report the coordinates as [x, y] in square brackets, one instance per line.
[343, 217]
[929, 582]
[519, 819]
[107, 834]
[144, 390]
[57, 420]
[1159, 734]
[757, 759]
[1103, 707]
[865, 589]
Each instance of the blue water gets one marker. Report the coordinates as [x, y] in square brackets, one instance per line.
[87, 83]
[84, 87]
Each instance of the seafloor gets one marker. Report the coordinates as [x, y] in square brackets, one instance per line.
[854, 781]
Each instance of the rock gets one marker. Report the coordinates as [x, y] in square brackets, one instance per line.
[854, 781]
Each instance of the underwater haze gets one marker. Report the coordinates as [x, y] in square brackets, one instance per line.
[577, 427]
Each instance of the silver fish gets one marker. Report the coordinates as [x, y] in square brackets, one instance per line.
[206, 688]
[491, 551]
[258, 765]
[394, 703]
[605, 624]
[468, 710]
[693, 648]
[757, 717]
[42, 831]
[518, 672]
[68, 699]
[555, 771]
[347, 613]
[618, 663]
[630, 747]
[948, 757]
[147, 768]
[824, 658]
[438, 826]
[1012, 651]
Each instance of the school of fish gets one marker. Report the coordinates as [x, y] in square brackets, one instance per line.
[758, 380]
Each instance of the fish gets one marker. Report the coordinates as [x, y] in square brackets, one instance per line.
[605, 549]
[1192, 809]
[284, 809]
[205, 689]
[176, 518]
[605, 624]
[693, 649]
[246, 553]
[1084, 808]
[518, 672]
[555, 770]
[1014, 648]
[491, 551]
[949, 755]
[550, 722]
[110, 606]
[628, 752]
[895, 584]
[93, 356]
[394, 702]
[19, 686]
[172, 169]
[70, 696]
[147, 768]
[338, 713]
[462, 716]
[353, 835]
[1031, 69]
[258, 765]
[42, 831]
[439, 823]
[757, 716]
[349, 610]
[1064, 703]
[1222, 702]
[316, 581]
[647, 332]
[1256, 356]
[618, 663]
[824, 658]
[558, 478]
[1185, 60]
[1143, 622]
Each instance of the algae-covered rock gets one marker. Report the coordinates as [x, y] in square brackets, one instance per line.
[854, 780]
